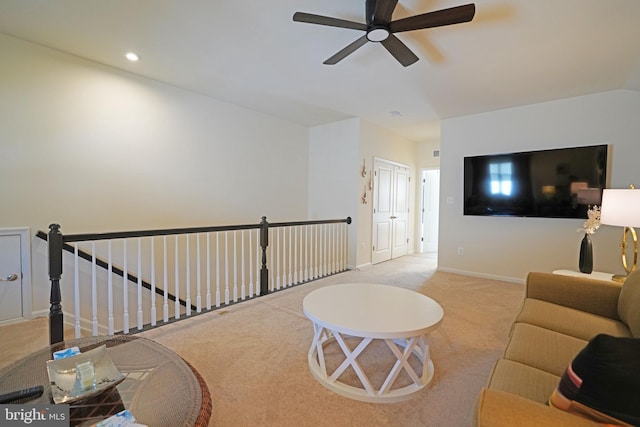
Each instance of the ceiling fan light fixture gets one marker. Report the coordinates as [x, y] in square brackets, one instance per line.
[377, 34]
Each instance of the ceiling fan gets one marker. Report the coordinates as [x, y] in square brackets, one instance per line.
[380, 28]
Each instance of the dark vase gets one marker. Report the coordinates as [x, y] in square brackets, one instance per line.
[586, 255]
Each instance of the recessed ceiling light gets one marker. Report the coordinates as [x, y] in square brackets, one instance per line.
[132, 56]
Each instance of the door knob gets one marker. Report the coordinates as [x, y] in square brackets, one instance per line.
[393, 217]
[10, 278]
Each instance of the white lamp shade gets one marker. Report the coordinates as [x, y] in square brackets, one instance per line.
[620, 207]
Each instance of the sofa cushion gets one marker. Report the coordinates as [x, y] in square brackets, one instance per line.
[569, 321]
[603, 381]
[542, 348]
[523, 380]
[590, 295]
[629, 301]
[496, 408]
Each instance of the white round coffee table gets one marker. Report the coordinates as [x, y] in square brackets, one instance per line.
[399, 317]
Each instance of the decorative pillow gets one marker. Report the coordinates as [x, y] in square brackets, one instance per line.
[603, 382]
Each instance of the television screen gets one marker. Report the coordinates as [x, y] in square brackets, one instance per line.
[558, 183]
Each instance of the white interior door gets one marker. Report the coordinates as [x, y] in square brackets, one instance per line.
[382, 212]
[10, 278]
[430, 210]
[400, 215]
[391, 189]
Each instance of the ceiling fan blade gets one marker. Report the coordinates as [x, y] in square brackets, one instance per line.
[439, 18]
[379, 12]
[346, 51]
[328, 21]
[399, 50]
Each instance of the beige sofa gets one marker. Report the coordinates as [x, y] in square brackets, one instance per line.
[559, 315]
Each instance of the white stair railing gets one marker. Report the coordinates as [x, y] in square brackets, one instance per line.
[225, 264]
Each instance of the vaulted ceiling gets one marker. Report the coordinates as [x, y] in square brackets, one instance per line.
[253, 54]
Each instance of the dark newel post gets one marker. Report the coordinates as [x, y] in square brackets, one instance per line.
[56, 328]
[264, 242]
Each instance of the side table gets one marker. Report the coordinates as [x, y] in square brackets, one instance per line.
[160, 388]
[596, 275]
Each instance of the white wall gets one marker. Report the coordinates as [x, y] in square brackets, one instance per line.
[510, 247]
[97, 149]
[333, 192]
[425, 159]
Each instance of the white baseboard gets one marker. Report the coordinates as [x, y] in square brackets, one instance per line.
[365, 265]
[482, 275]
[40, 313]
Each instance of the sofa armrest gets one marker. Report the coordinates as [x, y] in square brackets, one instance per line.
[598, 297]
[496, 408]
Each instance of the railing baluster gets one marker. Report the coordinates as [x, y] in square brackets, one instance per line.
[285, 264]
[76, 291]
[165, 301]
[328, 250]
[290, 269]
[323, 245]
[198, 275]
[226, 268]
[153, 282]
[258, 263]
[217, 269]
[125, 292]
[188, 280]
[330, 242]
[208, 271]
[278, 249]
[295, 255]
[300, 269]
[345, 247]
[307, 252]
[139, 284]
[335, 250]
[251, 289]
[235, 266]
[176, 305]
[243, 289]
[94, 292]
[323, 253]
[110, 323]
[314, 252]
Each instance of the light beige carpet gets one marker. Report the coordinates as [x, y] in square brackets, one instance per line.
[254, 355]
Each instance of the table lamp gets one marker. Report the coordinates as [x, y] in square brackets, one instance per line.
[621, 207]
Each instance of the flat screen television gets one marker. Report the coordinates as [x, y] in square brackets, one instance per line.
[557, 183]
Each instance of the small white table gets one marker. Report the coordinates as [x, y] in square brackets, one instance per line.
[400, 317]
[597, 275]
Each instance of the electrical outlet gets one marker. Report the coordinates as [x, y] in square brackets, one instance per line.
[460, 250]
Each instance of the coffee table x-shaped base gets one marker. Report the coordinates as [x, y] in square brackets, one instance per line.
[402, 349]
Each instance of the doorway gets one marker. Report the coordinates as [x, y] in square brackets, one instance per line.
[15, 275]
[429, 209]
[390, 234]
